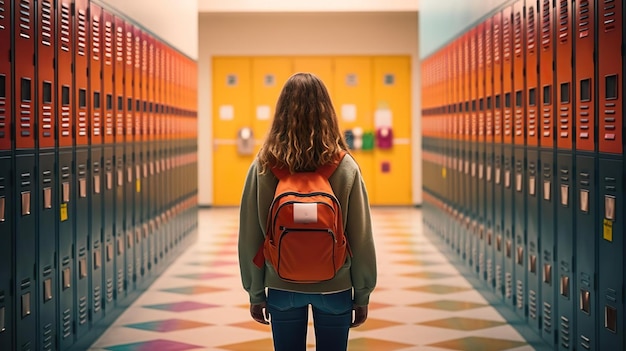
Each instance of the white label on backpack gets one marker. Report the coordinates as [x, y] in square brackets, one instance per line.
[305, 213]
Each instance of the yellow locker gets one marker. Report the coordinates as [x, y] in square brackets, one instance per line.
[269, 74]
[392, 104]
[352, 98]
[232, 111]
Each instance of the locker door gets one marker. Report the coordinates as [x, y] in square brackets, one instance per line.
[66, 254]
[564, 274]
[353, 102]
[81, 81]
[533, 220]
[610, 70]
[231, 110]
[611, 249]
[96, 245]
[120, 235]
[25, 284]
[472, 204]
[137, 153]
[80, 197]
[533, 117]
[97, 181]
[547, 244]
[391, 95]
[546, 74]
[564, 73]
[481, 152]
[24, 73]
[108, 235]
[46, 74]
[489, 144]
[269, 74]
[586, 192]
[532, 129]
[518, 128]
[48, 211]
[129, 154]
[65, 40]
[586, 252]
[6, 252]
[507, 154]
[497, 154]
[81, 156]
[5, 78]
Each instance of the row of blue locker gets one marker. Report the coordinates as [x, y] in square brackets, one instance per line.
[84, 229]
[542, 228]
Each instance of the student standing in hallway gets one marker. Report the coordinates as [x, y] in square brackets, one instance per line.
[304, 136]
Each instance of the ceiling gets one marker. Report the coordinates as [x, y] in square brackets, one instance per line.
[213, 6]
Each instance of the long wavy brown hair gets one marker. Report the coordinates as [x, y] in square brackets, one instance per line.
[305, 132]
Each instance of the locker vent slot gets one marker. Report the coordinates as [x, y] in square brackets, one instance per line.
[508, 287]
[564, 21]
[119, 43]
[108, 42]
[532, 304]
[531, 30]
[82, 32]
[67, 323]
[48, 335]
[95, 38]
[65, 27]
[95, 113]
[489, 271]
[609, 15]
[129, 48]
[120, 281]
[520, 295]
[565, 332]
[97, 299]
[518, 34]
[496, 42]
[547, 317]
[546, 24]
[109, 287]
[506, 31]
[25, 19]
[82, 310]
[46, 22]
[65, 126]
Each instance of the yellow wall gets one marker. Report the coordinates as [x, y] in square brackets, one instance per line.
[245, 90]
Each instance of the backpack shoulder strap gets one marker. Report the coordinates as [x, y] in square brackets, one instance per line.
[328, 169]
[280, 173]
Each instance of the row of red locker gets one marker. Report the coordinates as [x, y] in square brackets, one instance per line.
[543, 73]
[73, 73]
[524, 168]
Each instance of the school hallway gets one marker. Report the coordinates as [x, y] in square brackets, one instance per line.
[422, 301]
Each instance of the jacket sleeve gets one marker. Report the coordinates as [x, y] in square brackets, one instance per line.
[360, 237]
[250, 239]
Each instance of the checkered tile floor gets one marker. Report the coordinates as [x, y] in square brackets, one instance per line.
[421, 303]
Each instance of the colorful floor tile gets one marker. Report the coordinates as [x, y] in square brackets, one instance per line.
[422, 301]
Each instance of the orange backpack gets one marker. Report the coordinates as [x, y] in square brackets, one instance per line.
[304, 241]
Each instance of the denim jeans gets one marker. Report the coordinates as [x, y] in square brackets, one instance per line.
[289, 313]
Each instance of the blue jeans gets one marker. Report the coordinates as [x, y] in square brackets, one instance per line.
[289, 314]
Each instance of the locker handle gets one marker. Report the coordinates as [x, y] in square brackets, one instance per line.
[609, 207]
[96, 184]
[547, 274]
[26, 311]
[2, 319]
[25, 203]
[610, 318]
[66, 192]
[584, 200]
[47, 290]
[2, 210]
[66, 278]
[585, 301]
[47, 198]
[82, 188]
[564, 286]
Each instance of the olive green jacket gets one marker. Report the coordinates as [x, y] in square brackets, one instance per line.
[359, 271]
